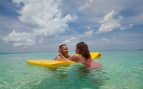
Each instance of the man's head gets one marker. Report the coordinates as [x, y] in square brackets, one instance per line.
[63, 49]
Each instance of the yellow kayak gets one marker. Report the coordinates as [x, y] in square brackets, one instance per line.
[50, 63]
[55, 63]
[95, 55]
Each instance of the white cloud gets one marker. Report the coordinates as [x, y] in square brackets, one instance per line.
[75, 39]
[100, 7]
[43, 16]
[126, 27]
[20, 39]
[136, 20]
[72, 39]
[89, 33]
[95, 10]
[86, 5]
[101, 42]
[109, 22]
[106, 40]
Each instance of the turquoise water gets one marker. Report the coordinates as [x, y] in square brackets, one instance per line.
[121, 70]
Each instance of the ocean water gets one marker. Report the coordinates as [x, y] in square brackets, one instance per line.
[120, 70]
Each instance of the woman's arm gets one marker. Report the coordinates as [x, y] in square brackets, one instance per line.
[74, 58]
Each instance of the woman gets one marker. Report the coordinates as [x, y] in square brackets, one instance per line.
[83, 56]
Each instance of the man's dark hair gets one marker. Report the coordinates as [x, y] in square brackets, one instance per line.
[60, 46]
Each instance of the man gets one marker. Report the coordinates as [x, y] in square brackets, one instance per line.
[63, 53]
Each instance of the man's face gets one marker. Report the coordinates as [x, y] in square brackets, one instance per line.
[64, 50]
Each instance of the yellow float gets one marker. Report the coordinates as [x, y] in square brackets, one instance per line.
[54, 63]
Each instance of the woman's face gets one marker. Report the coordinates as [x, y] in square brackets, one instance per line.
[76, 50]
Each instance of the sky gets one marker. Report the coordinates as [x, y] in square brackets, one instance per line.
[41, 25]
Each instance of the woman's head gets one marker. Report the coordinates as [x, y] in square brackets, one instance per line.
[82, 48]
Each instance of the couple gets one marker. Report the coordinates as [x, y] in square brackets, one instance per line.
[82, 55]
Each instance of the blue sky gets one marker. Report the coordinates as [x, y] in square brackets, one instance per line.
[41, 25]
